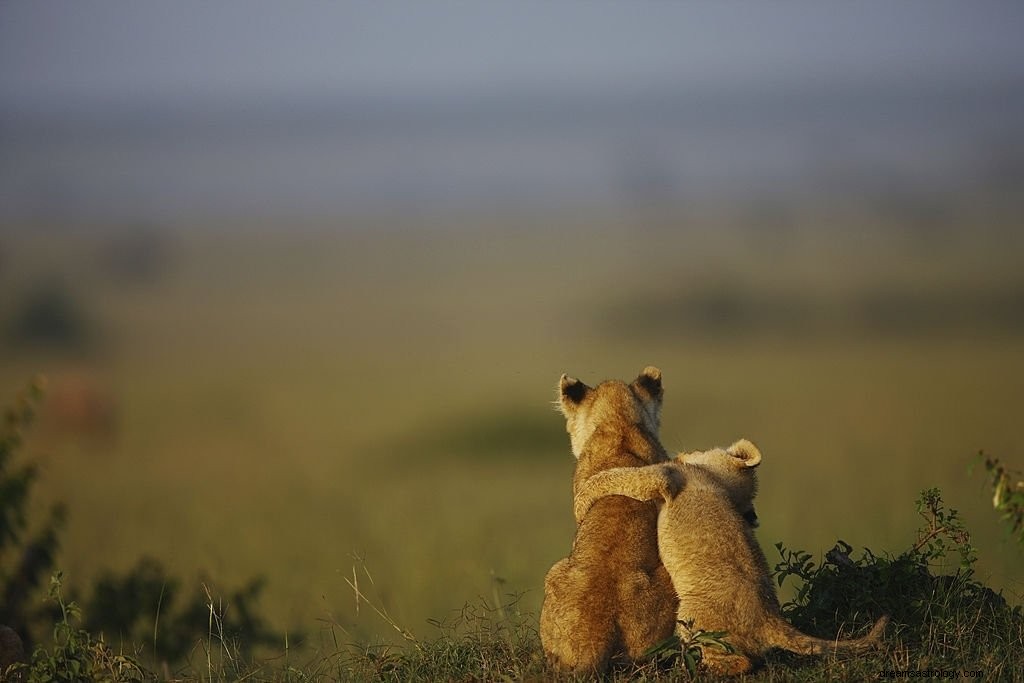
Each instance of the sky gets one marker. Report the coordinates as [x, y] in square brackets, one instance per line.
[59, 55]
[154, 108]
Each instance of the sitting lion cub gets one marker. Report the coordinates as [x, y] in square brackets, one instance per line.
[708, 547]
[612, 596]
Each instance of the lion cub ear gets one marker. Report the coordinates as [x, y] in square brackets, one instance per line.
[649, 380]
[745, 451]
[571, 389]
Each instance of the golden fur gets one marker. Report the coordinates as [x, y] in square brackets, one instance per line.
[611, 597]
[718, 569]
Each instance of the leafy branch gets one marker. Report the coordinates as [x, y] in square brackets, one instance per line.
[1007, 494]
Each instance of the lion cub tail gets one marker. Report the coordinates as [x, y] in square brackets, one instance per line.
[790, 638]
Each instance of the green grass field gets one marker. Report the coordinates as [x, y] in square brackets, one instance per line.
[306, 402]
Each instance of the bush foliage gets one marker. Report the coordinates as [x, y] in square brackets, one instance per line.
[945, 620]
[134, 609]
[1007, 495]
[27, 550]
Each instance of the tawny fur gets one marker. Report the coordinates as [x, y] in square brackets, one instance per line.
[611, 598]
[717, 567]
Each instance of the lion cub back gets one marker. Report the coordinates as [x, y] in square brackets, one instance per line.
[719, 569]
[708, 546]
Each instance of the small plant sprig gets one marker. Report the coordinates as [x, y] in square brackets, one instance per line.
[796, 563]
[690, 647]
[1007, 494]
[76, 656]
[381, 610]
[943, 530]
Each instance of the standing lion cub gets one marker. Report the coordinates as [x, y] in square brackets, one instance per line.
[708, 547]
[612, 596]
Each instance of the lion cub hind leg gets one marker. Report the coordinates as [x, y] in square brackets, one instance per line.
[648, 615]
[724, 664]
[576, 635]
[651, 482]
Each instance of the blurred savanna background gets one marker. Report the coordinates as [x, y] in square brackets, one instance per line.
[302, 279]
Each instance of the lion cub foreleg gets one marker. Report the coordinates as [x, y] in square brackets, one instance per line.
[652, 482]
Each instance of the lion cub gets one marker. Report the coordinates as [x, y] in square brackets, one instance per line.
[718, 569]
[612, 596]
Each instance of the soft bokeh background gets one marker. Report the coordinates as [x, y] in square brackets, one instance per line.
[303, 277]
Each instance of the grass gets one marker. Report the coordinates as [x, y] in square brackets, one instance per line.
[947, 624]
[287, 402]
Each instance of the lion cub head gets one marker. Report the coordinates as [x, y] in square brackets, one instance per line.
[734, 470]
[611, 404]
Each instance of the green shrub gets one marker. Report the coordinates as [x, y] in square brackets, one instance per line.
[26, 551]
[75, 655]
[142, 606]
[942, 620]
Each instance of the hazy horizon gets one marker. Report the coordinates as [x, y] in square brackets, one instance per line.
[127, 112]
